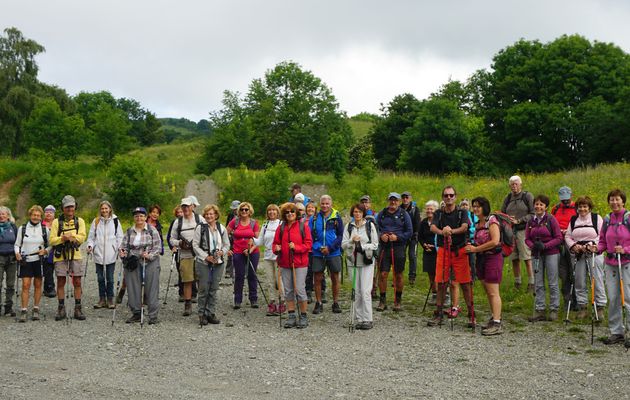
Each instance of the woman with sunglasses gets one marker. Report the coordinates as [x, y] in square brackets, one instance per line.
[245, 255]
[292, 244]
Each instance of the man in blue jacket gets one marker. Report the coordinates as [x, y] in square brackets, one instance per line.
[395, 227]
[327, 232]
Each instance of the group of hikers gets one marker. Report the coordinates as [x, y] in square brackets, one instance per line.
[583, 256]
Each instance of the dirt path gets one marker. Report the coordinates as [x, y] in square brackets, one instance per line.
[4, 190]
[206, 191]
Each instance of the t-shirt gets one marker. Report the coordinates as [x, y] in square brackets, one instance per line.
[242, 234]
[454, 219]
[482, 235]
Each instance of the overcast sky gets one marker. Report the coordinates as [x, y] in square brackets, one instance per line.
[177, 57]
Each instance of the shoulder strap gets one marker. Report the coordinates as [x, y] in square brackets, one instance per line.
[196, 218]
[60, 227]
[555, 209]
[22, 234]
[115, 226]
[44, 235]
[76, 223]
[180, 221]
[574, 218]
[524, 199]
[593, 221]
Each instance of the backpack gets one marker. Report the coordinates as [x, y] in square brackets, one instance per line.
[593, 223]
[60, 221]
[282, 226]
[44, 235]
[368, 229]
[555, 209]
[205, 234]
[381, 216]
[626, 222]
[460, 218]
[334, 214]
[180, 221]
[252, 222]
[98, 220]
[523, 198]
[506, 228]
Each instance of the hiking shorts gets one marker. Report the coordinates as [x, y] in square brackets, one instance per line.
[490, 267]
[31, 269]
[521, 251]
[460, 266]
[76, 268]
[187, 270]
[386, 259]
[333, 264]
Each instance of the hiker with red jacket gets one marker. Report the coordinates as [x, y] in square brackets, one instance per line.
[489, 260]
[563, 212]
[581, 235]
[292, 243]
[614, 239]
[543, 237]
[450, 224]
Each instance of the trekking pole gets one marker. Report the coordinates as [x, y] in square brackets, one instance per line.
[170, 273]
[424, 307]
[297, 306]
[69, 285]
[592, 290]
[117, 288]
[257, 280]
[18, 289]
[278, 285]
[450, 277]
[567, 320]
[41, 269]
[391, 254]
[623, 299]
[536, 269]
[342, 265]
[353, 292]
[144, 267]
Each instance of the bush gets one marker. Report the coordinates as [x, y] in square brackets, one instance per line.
[134, 184]
[51, 180]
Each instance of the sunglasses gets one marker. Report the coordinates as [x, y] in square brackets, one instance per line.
[244, 209]
[290, 212]
[448, 195]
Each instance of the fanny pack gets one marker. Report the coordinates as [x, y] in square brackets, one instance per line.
[131, 262]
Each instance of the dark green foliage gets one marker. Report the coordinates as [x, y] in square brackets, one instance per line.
[50, 179]
[133, 183]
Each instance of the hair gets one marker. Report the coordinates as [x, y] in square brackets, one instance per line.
[177, 207]
[300, 206]
[248, 205]
[515, 178]
[431, 203]
[585, 200]
[360, 207]
[286, 207]
[8, 211]
[325, 196]
[310, 203]
[155, 207]
[483, 203]
[465, 201]
[36, 208]
[543, 199]
[616, 193]
[211, 207]
[449, 187]
[272, 207]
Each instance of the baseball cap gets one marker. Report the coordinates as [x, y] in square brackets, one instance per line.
[393, 194]
[565, 193]
[234, 205]
[139, 210]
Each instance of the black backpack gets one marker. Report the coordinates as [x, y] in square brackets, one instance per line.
[205, 236]
[44, 234]
[368, 229]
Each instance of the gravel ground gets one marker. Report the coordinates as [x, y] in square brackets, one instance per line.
[249, 356]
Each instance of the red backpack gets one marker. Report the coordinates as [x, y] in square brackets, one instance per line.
[507, 233]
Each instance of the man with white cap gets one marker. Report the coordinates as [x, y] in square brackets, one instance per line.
[67, 233]
[564, 211]
[181, 237]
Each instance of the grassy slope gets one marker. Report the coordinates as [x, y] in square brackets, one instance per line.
[360, 128]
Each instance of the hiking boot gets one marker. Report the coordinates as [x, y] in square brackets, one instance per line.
[119, 296]
[203, 320]
[488, 324]
[23, 315]
[517, 285]
[291, 321]
[187, 309]
[336, 308]
[35, 316]
[50, 293]
[493, 329]
[309, 297]
[436, 320]
[381, 306]
[134, 318]
[453, 312]
[282, 309]
[212, 319]
[303, 321]
[317, 309]
[78, 313]
[253, 304]
[367, 325]
[530, 288]
[614, 339]
[101, 304]
[153, 320]
[553, 315]
[324, 301]
[236, 306]
[581, 314]
[538, 316]
[8, 310]
[397, 307]
[272, 310]
[110, 303]
[61, 313]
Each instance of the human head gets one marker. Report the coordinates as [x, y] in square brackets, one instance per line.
[139, 216]
[187, 206]
[105, 209]
[194, 200]
[543, 199]
[288, 212]
[155, 211]
[311, 208]
[564, 193]
[177, 211]
[299, 198]
[616, 199]
[325, 203]
[271, 208]
[584, 200]
[366, 200]
[35, 210]
[49, 212]
[5, 214]
[406, 198]
[393, 201]
[245, 209]
[295, 188]
[430, 207]
[483, 204]
[69, 204]
[516, 184]
[234, 205]
[360, 207]
[449, 195]
[616, 193]
[464, 204]
[301, 209]
[211, 213]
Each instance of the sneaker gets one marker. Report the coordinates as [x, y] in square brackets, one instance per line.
[78, 313]
[436, 320]
[35, 316]
[453, 312]
[493, 329]
[153, 321]
[614, 339]
[397, 307]
[381, 306]
[303, 321]
[133, 318]
[336, 308]
[282, 308]
[553, 315]
[101, 304]
[61, 313]
[23, 315]
[236, 306]
[539, 316]
[317, 309]
[530, 288]
[212, 319]
[291, 321]
[488, 324]
[253, 304]
[272, 310]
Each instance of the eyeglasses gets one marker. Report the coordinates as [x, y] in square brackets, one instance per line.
[244, 209]
[448, 195]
